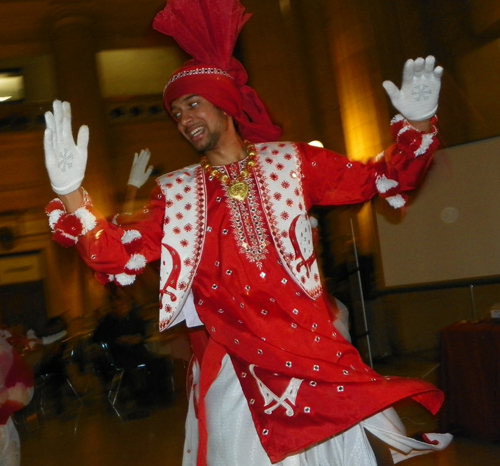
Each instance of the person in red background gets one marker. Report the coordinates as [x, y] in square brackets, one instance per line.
[16, 391]
[277, 382]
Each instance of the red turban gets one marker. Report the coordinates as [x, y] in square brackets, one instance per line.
[207, 30]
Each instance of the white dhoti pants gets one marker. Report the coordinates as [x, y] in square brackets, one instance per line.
[233, 440]
[10, 445]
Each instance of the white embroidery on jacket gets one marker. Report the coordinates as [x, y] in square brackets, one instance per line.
[278, 177]
[290, 394]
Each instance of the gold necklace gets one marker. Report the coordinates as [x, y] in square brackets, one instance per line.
[238, 188]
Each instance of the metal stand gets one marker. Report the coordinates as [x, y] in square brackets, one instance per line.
[361, 331]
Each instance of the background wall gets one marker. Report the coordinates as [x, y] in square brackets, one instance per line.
[451, 230]
[319, 67]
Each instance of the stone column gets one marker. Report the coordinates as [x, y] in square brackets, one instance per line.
[77, 77]
[352, 30]
[355, 57]
[73, 32]
[275, 67]
[311, 41]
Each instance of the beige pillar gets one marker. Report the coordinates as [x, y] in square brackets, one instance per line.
[311, 40]
[365, 115]
[78, 83]
[276, 70]
[355, 57]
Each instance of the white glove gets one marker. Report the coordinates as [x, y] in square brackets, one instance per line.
[138, 173]
[417, 99]
[64, 160]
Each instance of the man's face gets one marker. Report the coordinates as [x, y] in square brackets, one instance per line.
[200, 122]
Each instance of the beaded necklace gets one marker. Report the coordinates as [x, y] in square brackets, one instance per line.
[238, 188]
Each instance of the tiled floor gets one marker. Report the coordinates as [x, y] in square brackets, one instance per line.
[91, 434]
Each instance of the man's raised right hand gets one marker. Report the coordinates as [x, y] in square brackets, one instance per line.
[65, 160]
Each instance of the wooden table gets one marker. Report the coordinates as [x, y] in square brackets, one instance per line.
[470, 378]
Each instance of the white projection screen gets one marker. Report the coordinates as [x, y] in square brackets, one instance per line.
[451, 230]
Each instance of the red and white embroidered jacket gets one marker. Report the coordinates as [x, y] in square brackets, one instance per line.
[172, 227]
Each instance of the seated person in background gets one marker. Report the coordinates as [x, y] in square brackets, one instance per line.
[53, 364]
[15, 337]
[124, 331]
[52, 334]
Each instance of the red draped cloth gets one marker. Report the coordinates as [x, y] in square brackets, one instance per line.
[282, 343]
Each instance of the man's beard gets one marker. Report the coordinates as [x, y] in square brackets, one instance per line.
[215, 134]
[211, 143]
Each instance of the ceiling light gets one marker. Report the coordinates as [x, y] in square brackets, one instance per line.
[11, 85]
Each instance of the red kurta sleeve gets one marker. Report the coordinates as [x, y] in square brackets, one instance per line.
[332, 179]
[116, 252]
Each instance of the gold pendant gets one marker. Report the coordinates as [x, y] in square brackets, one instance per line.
[238, 191]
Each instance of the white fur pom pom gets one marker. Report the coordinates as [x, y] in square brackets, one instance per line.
[87, 218]
[136, 262]
[124, 279]
[384, 184]
[427, 140]
[396, 201]
[54, 216]
[130, 235]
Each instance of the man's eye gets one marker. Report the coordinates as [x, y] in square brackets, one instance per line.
[177, 115]
[193, 104]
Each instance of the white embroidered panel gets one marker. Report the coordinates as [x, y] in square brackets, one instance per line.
[278, 176]
[283, 201]
[183, 227]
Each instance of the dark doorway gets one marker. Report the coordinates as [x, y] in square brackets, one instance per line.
[23, 304]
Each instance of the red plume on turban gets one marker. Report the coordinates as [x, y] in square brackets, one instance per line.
[207, 30]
